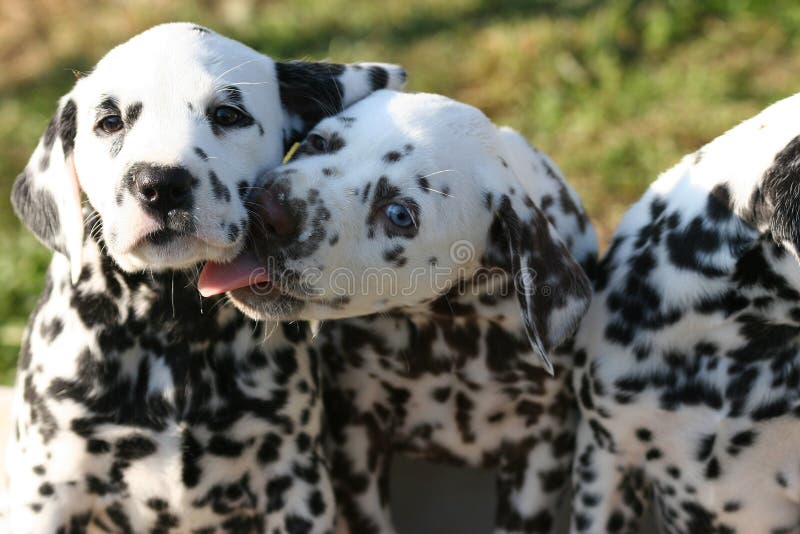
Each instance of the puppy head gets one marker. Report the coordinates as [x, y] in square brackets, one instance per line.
[395, 202]
[166, 136]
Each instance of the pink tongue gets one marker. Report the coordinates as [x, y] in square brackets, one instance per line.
[243, 271]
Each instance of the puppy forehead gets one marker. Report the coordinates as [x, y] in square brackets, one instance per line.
[441, 131]
[178, 59]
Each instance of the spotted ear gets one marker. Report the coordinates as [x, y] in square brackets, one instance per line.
[552, 289]
[46, 195]
[311, 91]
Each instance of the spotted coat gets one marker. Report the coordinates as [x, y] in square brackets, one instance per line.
[687, 362]
[452, 368]
[141, 407]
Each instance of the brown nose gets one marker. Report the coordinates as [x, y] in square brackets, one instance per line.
[274, 213]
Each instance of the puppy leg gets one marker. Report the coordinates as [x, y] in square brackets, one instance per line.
[300, 499]
[360, 470]
[531, 487]
[608, 494]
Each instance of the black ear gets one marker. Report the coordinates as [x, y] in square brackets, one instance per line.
[46, 195]
[311, 91]
[552, 289]
[779, 196]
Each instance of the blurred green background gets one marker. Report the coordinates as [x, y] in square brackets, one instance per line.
[614, 91]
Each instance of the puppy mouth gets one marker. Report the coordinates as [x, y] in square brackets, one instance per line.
[250, 287]
[163, 236]
[243, 272]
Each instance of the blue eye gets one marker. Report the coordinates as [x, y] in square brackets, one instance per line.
[399, 215]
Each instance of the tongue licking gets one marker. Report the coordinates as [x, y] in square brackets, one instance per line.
[245, 270]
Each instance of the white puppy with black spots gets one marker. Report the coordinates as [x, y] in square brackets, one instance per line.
[688, 362]
[462, 245]
[140, 407]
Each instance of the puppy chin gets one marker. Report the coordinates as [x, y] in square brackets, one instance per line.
[269, 306]
[182, 253]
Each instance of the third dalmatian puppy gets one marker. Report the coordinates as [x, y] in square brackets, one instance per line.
[461, 245]
[688, 362]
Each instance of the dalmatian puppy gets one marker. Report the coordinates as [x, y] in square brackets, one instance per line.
[687, 362]
[460, 244]
[141, 407]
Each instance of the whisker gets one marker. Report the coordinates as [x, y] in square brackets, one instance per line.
[240, 65]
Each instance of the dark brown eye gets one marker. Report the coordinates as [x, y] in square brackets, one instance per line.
[227, 116]
[317, 143]
[111, 123]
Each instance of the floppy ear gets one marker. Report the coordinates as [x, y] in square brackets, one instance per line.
[778, 198]
[46, 195]
[552, 289]
[311, 91]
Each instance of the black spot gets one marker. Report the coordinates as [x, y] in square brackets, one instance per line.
[233, 232]
[653, 454]
[68, 127]
[221, 446]
[201, 154]
[713, 468]
[706, 447]
[744, 438]
[243, 188]
[732, 506]
[674, 471]
[134, 447]
[132, 113]
[423, 184]
[441, 394]
[615, 522]
[393, 256]
[316, 503]
[297, 525]
[276, 490]
[378, 77]
[392, 157]
[192, 451]
[50, 330]
[97, 446]
[335, 143]
[219, 190]
[770, 410]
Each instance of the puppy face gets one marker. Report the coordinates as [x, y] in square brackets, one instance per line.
[167, 144]
[166, 137]
[391, 204]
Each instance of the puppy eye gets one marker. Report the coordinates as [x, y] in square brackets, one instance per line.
[227, 116]
[399, 215]
[111, 123]
[317, 143]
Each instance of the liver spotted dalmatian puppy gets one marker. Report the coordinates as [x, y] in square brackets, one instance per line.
[688, 362]
[141, 408]
[418, 212]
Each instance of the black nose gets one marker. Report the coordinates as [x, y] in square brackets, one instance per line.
[162, 189]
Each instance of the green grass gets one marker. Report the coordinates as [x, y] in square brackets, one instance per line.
[615, 91]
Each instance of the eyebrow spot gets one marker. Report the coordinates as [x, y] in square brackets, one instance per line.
[132, 114]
